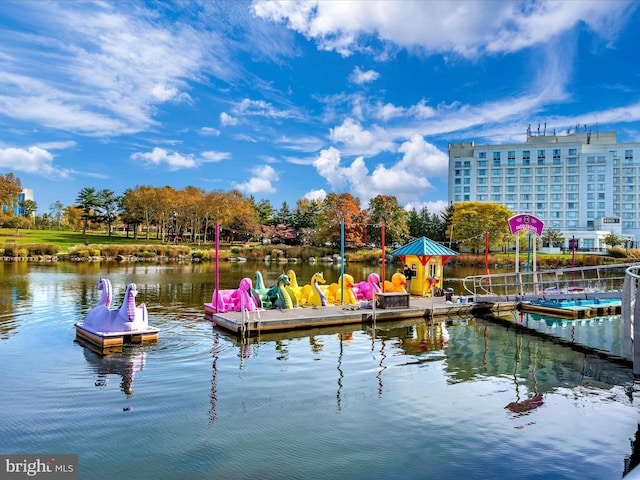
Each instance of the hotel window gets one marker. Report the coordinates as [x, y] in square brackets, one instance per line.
[482, 171]
[482, 181]
[556, 196]
[601, 213]
[466, 189]
[556, 205]
[628, 188]
[556, 170]
[541, 206]
[601, 186]
[458, 198]
[628, 198]
[601, 168]
[496, 171]
[591, 178]
[572, 179]
[572, 169]
[526, 179]
[572, 188]
[457, 173]
[556, 188]
[511, 171]
[628, 171]
[541, 196]
[556, 179]
[458, 189]
[601, 178]
[572, 160]
[510, 198]
[571, 214]
[591, 205]
[466, 181]
[482, 155]
[482, 189]
[496, 189]
[526, 157]
[541, 157]
[482, 198]
[467, 163]
[573, 151]
[525, 197]
[556, 224]
[495, 180]
[572, 196]
[495, 198]
[556, 215]
[525, 188]
[466, 173]
[525, 171]
[511, 179]
[591, 187]
[591, 159]
[591, 169]
[628, 206]
[541, 188]
[628, 154]
[482, 163]
[511, 188]
[458, 163]
[601, 196]
[467, 198]
[571, 205]
[601, 205]
[572, 224]
[458, 181]
[541, 170]
[629, 224]
[511, 155]
[541, 179]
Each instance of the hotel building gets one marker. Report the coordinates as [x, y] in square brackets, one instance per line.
[585, 185]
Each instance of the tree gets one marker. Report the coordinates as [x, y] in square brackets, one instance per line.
[612, 240]
[552, 238]
[10, 188]
[342, 206]
[472, 219]
[29, 207]
[56, 210]
[264, 212]
[108, 207]
[385, 208]
[87, 200]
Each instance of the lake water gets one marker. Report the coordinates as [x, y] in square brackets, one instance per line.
[465, 399]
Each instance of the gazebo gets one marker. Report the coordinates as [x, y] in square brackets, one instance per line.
[425, 258]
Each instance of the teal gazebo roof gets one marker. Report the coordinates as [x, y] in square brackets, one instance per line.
[424, 247]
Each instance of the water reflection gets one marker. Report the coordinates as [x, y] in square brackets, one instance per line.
[124, 364]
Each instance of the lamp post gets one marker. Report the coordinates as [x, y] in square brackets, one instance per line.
[573, 256]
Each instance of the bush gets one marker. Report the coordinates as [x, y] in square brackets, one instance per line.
[200, 255]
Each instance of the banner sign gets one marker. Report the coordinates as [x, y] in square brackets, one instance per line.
[527, 222]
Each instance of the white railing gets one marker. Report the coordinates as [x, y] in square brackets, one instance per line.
[631, 316]
[600, 278]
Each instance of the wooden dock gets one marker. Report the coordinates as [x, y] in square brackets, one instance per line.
[574, 311]
[314, 317]
[110, 340]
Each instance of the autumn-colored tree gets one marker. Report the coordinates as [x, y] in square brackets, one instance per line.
[243, 225]
[385, 208]
[10, 188]
[73, 216]
[346, 207]
[472, 219]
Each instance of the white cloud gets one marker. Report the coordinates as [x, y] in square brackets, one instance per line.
[357, 139]
[261, 181]
[212, 157]
[360, 77]
[226, 119]
[209, 132]
[407, 179]
[438, 206]
[32, 160]
[160, 156]
[318, 195]
[466, 28]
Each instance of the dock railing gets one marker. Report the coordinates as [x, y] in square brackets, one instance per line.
[512, 286]
[631, 316]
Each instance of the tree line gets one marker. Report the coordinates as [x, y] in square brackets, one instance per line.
[191, 214]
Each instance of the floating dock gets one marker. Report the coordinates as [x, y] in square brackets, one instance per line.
[572, 309]
[275, 320]
[116, 339]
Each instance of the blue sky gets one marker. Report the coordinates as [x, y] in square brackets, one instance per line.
[286, 100]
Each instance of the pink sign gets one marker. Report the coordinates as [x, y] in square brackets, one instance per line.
[527, 222]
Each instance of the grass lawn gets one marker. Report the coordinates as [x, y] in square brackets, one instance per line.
[66, 239]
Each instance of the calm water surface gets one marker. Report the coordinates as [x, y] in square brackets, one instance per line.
[466, 399]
